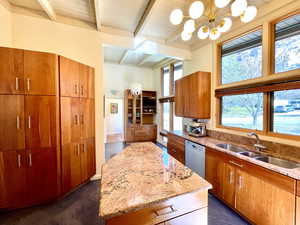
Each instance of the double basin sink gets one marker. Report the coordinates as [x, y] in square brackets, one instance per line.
[260, 157]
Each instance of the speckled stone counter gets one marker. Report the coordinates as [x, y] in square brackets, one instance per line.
[212, 143]
[142, 175]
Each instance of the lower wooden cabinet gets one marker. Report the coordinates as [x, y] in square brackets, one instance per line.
[29, 177]
[176, 147]
[141, 132]
[262, 196]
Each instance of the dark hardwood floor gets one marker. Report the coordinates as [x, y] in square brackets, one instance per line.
[81, 207]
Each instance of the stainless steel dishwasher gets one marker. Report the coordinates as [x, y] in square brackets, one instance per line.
[195, 157]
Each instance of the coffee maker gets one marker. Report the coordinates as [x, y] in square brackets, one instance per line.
[196, 128]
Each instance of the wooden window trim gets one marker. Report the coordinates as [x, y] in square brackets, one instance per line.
[261, 84]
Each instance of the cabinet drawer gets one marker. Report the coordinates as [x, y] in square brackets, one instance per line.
[176, 139]
[177, 153]
[163, 211]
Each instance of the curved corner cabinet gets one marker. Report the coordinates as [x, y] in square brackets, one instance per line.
[32, 120]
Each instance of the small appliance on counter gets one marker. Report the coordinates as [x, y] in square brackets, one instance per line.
[196, 128]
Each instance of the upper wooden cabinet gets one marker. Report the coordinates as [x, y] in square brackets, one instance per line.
[192, 96]
[11, 71]
[76, 79]
[40, 73]
[12, 129]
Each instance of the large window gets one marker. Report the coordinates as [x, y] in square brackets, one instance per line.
[270, 104]
[170, 74]
[242, 58]
[287, 45]
[243, 111]
[286, 112]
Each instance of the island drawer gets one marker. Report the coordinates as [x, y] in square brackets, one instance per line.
[163, 211]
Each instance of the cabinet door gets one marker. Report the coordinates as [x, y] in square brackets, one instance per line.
[42, 175]
[91, 157]
[14, 193]
[179, 98]
[40, 72]
[40, 114]
[12, 129]
[83, 80]
[91, 83]
[69, 77]
[228, 192]
[263, 202]
[70, 120]
[214, 169]
[11, 71]
[75, 162]
[87, 118]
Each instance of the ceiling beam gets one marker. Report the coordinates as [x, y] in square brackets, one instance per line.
[144, 17]
[97, 14]
[45, 4]
[124, 56]
[144, 59]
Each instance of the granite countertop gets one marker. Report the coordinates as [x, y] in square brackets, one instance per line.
[141, 175]
[212, 143]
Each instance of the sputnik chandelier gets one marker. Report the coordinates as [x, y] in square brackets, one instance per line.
[214, 26]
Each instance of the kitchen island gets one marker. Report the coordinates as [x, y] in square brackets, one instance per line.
[145, 185]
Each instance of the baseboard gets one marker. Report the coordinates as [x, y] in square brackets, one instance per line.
[96, 177]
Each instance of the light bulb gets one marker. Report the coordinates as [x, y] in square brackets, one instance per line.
[203, 32]
[249, 14]
[185, 36]
[238, 7]
[225, 25]
[196, 9]
[221, 3]
[214, 34]
[189, 26]
[176, 16]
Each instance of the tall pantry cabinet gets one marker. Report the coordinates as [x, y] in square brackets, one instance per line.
[41, 158]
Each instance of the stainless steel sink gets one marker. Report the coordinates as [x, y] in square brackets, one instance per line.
[278, 162]
[250, 154]
[231, 147]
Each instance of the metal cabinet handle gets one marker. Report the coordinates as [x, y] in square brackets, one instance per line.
[29, 122]
[162, 211]
[78, 149]
[18, 122]
[17, 83]
[28, 84]
[82, 119]
[240, 182]
[76, 89]
[230, 177]
[30, 159]
[236, 164]
[83, 148]
[76, 119]
[81, 90]
[19, 161]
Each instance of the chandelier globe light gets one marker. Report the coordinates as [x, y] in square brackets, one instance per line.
[215, 24]
[249, 14]
[136, 89]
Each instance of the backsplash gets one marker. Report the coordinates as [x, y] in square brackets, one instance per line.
[285, 151]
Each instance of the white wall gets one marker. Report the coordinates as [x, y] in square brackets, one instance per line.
[118, 78]
[5, 27]
[114, 122]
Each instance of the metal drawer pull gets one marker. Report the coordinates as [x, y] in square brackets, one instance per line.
[164, 211]
[30, 160]
[17, 83]
[19, 161]
[236, 164]
[76, 119]
[76, 89]
[29, 122]
[28, 84]
[18, 122]
[240, 182]
[78, 149]
[230, 177]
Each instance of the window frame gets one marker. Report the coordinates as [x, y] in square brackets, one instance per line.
[268, 75]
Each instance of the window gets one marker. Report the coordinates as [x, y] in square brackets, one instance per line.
[286, 112]
[242, 58]
[243, 111]
[287, 44]
[170, 74]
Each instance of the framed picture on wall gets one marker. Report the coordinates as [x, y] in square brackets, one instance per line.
[114, 108]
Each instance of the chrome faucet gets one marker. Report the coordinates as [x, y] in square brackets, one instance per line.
[258, 146]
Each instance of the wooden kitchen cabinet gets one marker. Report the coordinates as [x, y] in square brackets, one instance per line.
[41, 119]
[192, 96]
[69, 77]
[176, 147]
[229, 183]
[40, 73]
[87, 118]
[12, 129]
[42, 179]
[91, 157]
[11, 71]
